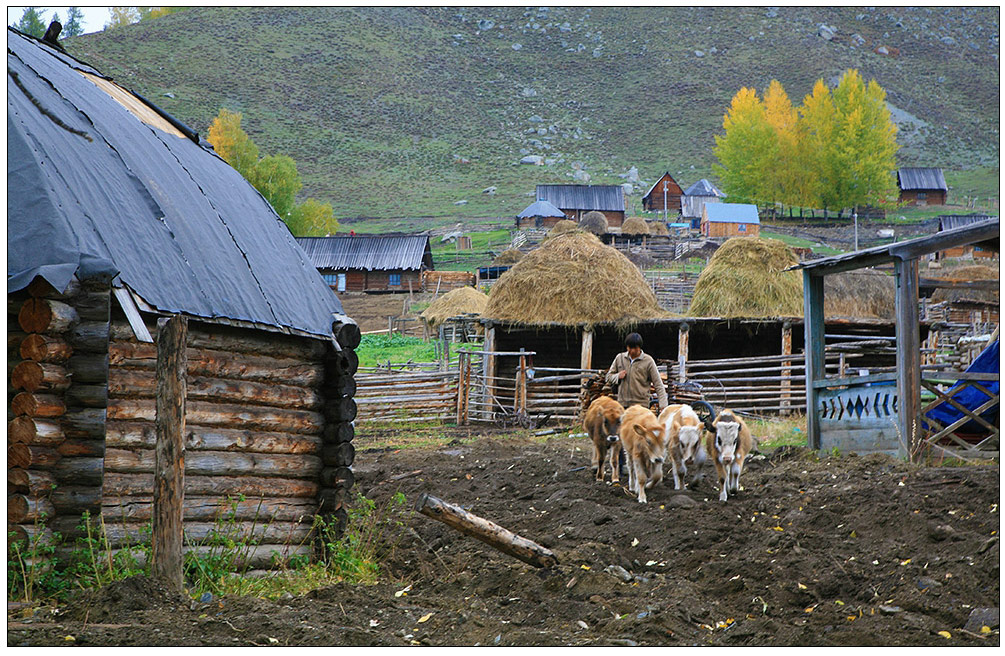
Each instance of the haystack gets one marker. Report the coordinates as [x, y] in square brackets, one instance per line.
[563, 226]
[573, 279]
[462, 300]
[658, 228]
[508, 256]
[860, 294]
[635, 225]
[967, 274]
[746, 278]
[594, 222]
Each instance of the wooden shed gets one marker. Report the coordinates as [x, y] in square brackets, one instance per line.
[922, 186]
[725, 220]
[695, 197]
[539, 214]
[370, 263]
[119, 216]
[953, 221]
[664, 196]
[576, 200]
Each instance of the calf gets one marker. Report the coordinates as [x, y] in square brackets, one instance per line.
[642, 436]
[729, 444]
[603, 419]
[683, 438]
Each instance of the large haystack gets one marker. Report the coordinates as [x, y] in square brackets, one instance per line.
[658, 228]
[462, 300]
[860, 294]
[509, 256]
[594, 222]
[573, 279]
[562, 227]
[967, 274]
[746, 278]
[635, 225]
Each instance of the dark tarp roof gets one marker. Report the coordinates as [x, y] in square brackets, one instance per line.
[93, 190]
[704, 188]
[540, 208]
[610, 198]
[369, 253]
[919, 178]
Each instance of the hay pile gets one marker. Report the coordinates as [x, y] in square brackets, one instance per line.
[659, 228]
[458, 301]
[635, 225]
[563, 226]
[745, 278]
[967, 274]
[509, 256]
[594, 222]
[573, 279]
[860, 294]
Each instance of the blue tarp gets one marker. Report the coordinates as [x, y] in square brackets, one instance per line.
[971, 398]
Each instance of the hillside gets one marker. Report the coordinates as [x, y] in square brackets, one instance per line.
[408, 112]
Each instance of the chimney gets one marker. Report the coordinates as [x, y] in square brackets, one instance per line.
[52, 34]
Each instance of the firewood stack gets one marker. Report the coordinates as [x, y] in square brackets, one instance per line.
[593, 387]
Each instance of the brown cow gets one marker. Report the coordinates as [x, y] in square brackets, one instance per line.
[603, 418]
[642, 436]
[729, 445]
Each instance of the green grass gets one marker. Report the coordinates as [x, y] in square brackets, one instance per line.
[396, 348]
[780, 431]
[800, 242]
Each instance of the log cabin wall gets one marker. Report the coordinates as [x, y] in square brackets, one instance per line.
[923, 197]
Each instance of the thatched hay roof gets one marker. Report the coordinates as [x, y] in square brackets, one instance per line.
[658, 228]
[860, 294]
[594, 222]
[573, 279]
[746, 278]
[508, 256]
[966, 274]
[458, 301]
[635, 225]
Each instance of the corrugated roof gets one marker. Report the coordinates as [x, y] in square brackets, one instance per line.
[732, 213]
[603, 198]
[96, 189]
[950, 221]
[921, 178]
[369, 252]
[540, 208]
[704, 188]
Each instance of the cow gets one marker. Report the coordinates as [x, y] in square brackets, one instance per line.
[683, 439]
[602, 421]
[728, 443]
[642, 436]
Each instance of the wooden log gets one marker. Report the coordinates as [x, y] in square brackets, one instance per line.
[77, 448]
[338, 431]
[45, 348]
[195, 532]
[250, 558]
[94, 305]
[123, 485]
[86, 423]
[89, 368]
[33, 376]
[169, 458]
[22, 509]
[342, 386]
[131, 383]
[337, 477]
[343, 409]
[82, 471]
[338, 455]
[348, 335]
[202, 413]
[344, 362]
[87, 396]
[219, 463]
[40, 315]
[40, 288]
[38, 405]
[33, 482]
[239, 340]
[331, 499]
[141, 434]
[37, 432]
[89, 337]
[486, 531]
[28, 455]
[76, 499]
[138, 509]
[29, 536]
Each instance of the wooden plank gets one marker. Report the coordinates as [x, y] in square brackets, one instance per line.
[128, 306]
[908, 353]
[813, 327]
[169, 464]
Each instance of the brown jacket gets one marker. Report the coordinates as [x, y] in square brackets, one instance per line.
[642, 373]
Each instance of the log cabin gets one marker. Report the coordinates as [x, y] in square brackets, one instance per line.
[725, 220]
[118, 217]
[370, 263]
[576, 200]
[694, 198]
[539, 214]
[922, 186]
[664, 196]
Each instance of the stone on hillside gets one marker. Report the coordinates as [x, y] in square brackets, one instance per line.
[516, 46]
[858, 40]
[528, 92]
[633, 175]
[486, 24]
[713, 50]
[565, 27]
[598, 52]
[489, 190]
[628, 188]
[169, 95]
[882, 50]
[948, 40]
[534, 160]
[461, 202]
[536, 119]
[542, 131]
[699, 53]
[772, 12]
[581, 176]
[979, 617]
[826, 33]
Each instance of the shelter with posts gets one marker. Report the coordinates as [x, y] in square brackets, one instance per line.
[922, 186]
[888, 412]
[118, 217]
[370, 263]
[664, 196]
[576, 200]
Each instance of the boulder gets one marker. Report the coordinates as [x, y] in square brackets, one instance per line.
[633, 175]
[528, 92]
[489, 190]
[461, 202]
[486, 24]
[534, 160]
[628, 188]
[826, 33]
[581, 176]
[699, 53]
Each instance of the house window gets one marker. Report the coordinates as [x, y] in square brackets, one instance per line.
[394, 279]
[330, 278]
[741, 227]
[921, 195]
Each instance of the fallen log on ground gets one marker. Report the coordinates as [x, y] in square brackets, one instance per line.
[488, 532]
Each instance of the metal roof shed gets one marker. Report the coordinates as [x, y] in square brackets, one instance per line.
[857, 412]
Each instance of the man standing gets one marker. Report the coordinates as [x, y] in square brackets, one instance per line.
[633, 372]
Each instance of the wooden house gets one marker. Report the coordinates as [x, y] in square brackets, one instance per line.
[952, 221]
[120, 216]
[664, 196]
[576, 200]
[370, 263]
[694, 199]
[725, 220]
[922, 186]
[539, 214]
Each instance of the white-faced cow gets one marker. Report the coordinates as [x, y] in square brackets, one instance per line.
[728, 443]
[602, 421]
[683, 437]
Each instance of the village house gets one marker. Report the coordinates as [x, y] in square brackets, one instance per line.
[539, 214]
[694, 199]
[663, 196]
[724, 220]
[370, 263]
[922, 186]
[576, 200]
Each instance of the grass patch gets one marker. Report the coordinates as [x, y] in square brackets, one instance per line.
[780, 431]
[395, 348]
[800, 242]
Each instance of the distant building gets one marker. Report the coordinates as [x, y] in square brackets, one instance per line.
[978, 250]
[576, 200]
[665, 194]
[539, 214]
[697, 195]
[922, 186]
[370, 263]
[730, 220]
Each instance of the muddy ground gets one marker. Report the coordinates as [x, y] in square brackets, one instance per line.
[814, 551]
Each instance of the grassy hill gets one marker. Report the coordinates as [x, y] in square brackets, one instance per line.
[408, 112]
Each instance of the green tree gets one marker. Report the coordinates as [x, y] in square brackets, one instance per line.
[312, 218]
[817, 120]
[32, 22]
[74, 22]
[747, 149]
[232, 143]
[276, 178]
[122, 16]
[782, 178]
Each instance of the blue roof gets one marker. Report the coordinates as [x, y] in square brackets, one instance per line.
[540, 208]
[732, 213]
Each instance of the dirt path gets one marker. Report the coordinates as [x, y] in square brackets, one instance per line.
[833, 551]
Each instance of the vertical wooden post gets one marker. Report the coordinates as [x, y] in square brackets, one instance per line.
[683, 332]
[520, 393]
[586, 354]
[785, 388]
[169, 457]
[489, 369]
[813, 348]
[467, 388]
[908, 355]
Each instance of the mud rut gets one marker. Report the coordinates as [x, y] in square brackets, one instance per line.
[814, 551]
